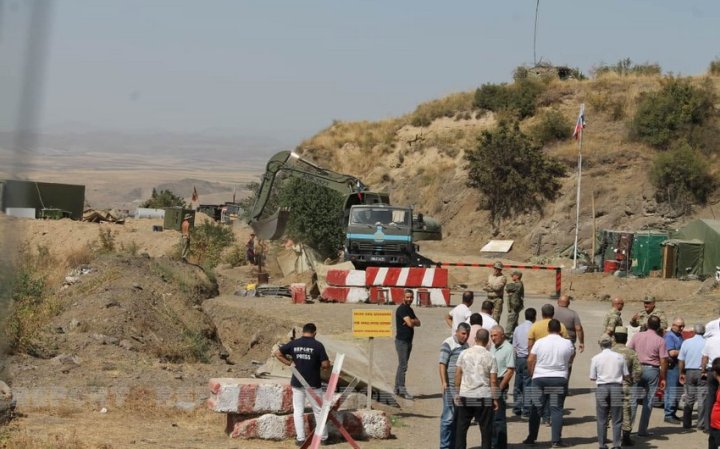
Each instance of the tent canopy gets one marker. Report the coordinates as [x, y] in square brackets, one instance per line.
[708, 232]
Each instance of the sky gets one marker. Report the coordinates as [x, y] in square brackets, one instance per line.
[287, 68]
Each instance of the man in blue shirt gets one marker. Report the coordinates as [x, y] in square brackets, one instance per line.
[449, 353]
[309, 357]
[673, 342]
[522, 379]
[689, 365]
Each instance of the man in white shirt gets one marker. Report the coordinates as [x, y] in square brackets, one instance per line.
[712, 328]
[486, 310]
[608, 369]
[476, 383]
[548, 364]
[460, 313]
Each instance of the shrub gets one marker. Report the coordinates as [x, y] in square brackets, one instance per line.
[626, 67]
[519, 97]
[236, 256]
[671, 113]
[78, 257]
[448, 106]
[512, 173]
[164, 198]
[106, 240]
[714, 68]
[553, 126]
[681, 176]
[208, 241]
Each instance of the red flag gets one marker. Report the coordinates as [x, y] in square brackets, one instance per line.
[580, 124]
[194, 195]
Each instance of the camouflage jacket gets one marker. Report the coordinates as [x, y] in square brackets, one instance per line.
[632, 362]
[516, 294]
[643, 317]
[495, 286]
[612, 320]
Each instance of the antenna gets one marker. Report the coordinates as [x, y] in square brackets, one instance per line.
[537, 8]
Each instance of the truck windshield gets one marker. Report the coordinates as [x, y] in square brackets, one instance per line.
[384, 216]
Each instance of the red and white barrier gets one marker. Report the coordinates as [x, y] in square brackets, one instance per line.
[346, 278]
[247, 396]
[344, 294]
[425, 296]
[406, 277]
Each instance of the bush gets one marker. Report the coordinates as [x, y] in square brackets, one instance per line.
[672, 113]
[208, 241]
[553, 126]
[512, 172]
[714, 68]
[626, 67]
[165, 198]
[316, 215]
[519, 97]
[106, 240]
[236, 256]
[79, 257]
[681, 176]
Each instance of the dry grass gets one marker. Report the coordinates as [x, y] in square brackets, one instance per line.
[79, 256]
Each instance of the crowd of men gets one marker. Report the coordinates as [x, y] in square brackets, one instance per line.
[480, 358]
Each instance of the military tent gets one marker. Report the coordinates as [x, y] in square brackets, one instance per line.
[682, 257]
[708, 232]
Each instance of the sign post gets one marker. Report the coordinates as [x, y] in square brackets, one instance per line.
[371, 323]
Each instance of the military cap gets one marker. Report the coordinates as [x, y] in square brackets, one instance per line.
[517, 273]
[188, 216]
[499, 265]
[621, 330]
[649, 299]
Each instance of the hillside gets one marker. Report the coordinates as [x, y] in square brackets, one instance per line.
[424, 165]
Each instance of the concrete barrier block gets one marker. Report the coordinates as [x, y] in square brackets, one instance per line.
[249, 396]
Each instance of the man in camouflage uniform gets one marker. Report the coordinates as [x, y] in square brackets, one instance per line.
[613, 318]
[633, 364]
[495, 288]
[516, 294]
[640, 318]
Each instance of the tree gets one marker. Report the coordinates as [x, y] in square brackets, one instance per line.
[681, 175]
[316, 215]
[165, 198]
[512, 172]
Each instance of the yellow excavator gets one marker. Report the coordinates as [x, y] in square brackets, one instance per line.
[377, 233]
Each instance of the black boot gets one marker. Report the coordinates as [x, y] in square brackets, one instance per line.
[687, 417]
[626, 441]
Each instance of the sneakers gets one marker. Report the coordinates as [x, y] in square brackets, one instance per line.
[403, 394]
[528, 442]
[672, 420]
[559, 444]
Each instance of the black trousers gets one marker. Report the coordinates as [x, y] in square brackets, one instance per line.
[482, 411]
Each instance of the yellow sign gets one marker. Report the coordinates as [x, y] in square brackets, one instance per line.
[372, 323]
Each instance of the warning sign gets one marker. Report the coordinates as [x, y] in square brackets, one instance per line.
[372, 323]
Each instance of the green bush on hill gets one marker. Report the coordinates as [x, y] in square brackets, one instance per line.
[626, 67]
[209, 240]
[316, 215]
[714, 68]
[512, 173]
[681, 176]
[164, 198]
[553, 126]
[519, 97]
[672, 113]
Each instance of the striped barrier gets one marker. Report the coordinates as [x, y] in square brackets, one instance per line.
[344, 294]
[246, 396]
[406, 277]
[558, 270]
[346, 278]
[425, 296]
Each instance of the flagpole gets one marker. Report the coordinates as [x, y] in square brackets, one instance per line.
[577, 201]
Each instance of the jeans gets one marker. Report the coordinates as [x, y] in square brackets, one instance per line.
[482, 411]
[403, 349]
[499, 431]
[522, 383]
[713, 438]
[544, 391]
[646, 390]
[609, 400]
[299, 396]
[672, 391]
[448, 420]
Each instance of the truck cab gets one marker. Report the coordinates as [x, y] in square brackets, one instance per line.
[380, 235]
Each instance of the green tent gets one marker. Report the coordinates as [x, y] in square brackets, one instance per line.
[683, 257]
[708, 232]
[647, 251]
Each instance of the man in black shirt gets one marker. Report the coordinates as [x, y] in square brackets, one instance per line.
[309, 357]
[405, 324]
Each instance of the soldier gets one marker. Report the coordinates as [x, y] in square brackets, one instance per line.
[640, 318]
[613, 318]
[516, 294]
[633, 364]
[495, 287]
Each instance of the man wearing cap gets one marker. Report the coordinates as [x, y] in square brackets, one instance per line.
[640, 318]
[495, 288]
[185, 231]
[613, 318]
[608, 370]
[620, 335]
[516, 294]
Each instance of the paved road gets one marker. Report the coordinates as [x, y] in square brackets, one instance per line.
[580, 422]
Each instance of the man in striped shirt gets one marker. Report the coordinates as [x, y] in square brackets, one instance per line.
[449, 353]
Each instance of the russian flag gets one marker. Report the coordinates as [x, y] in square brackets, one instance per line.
[580, 124]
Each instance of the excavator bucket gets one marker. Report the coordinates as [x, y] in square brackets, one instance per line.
[273, 227]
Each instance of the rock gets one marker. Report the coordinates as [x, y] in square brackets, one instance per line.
[5, 391]
[74, 323]
[137, 286]
[125, 344]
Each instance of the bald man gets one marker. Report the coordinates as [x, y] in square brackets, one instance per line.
[613, 318]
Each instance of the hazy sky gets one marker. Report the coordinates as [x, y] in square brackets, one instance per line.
[288, 68]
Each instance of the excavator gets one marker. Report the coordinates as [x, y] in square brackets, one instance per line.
[377, 234]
